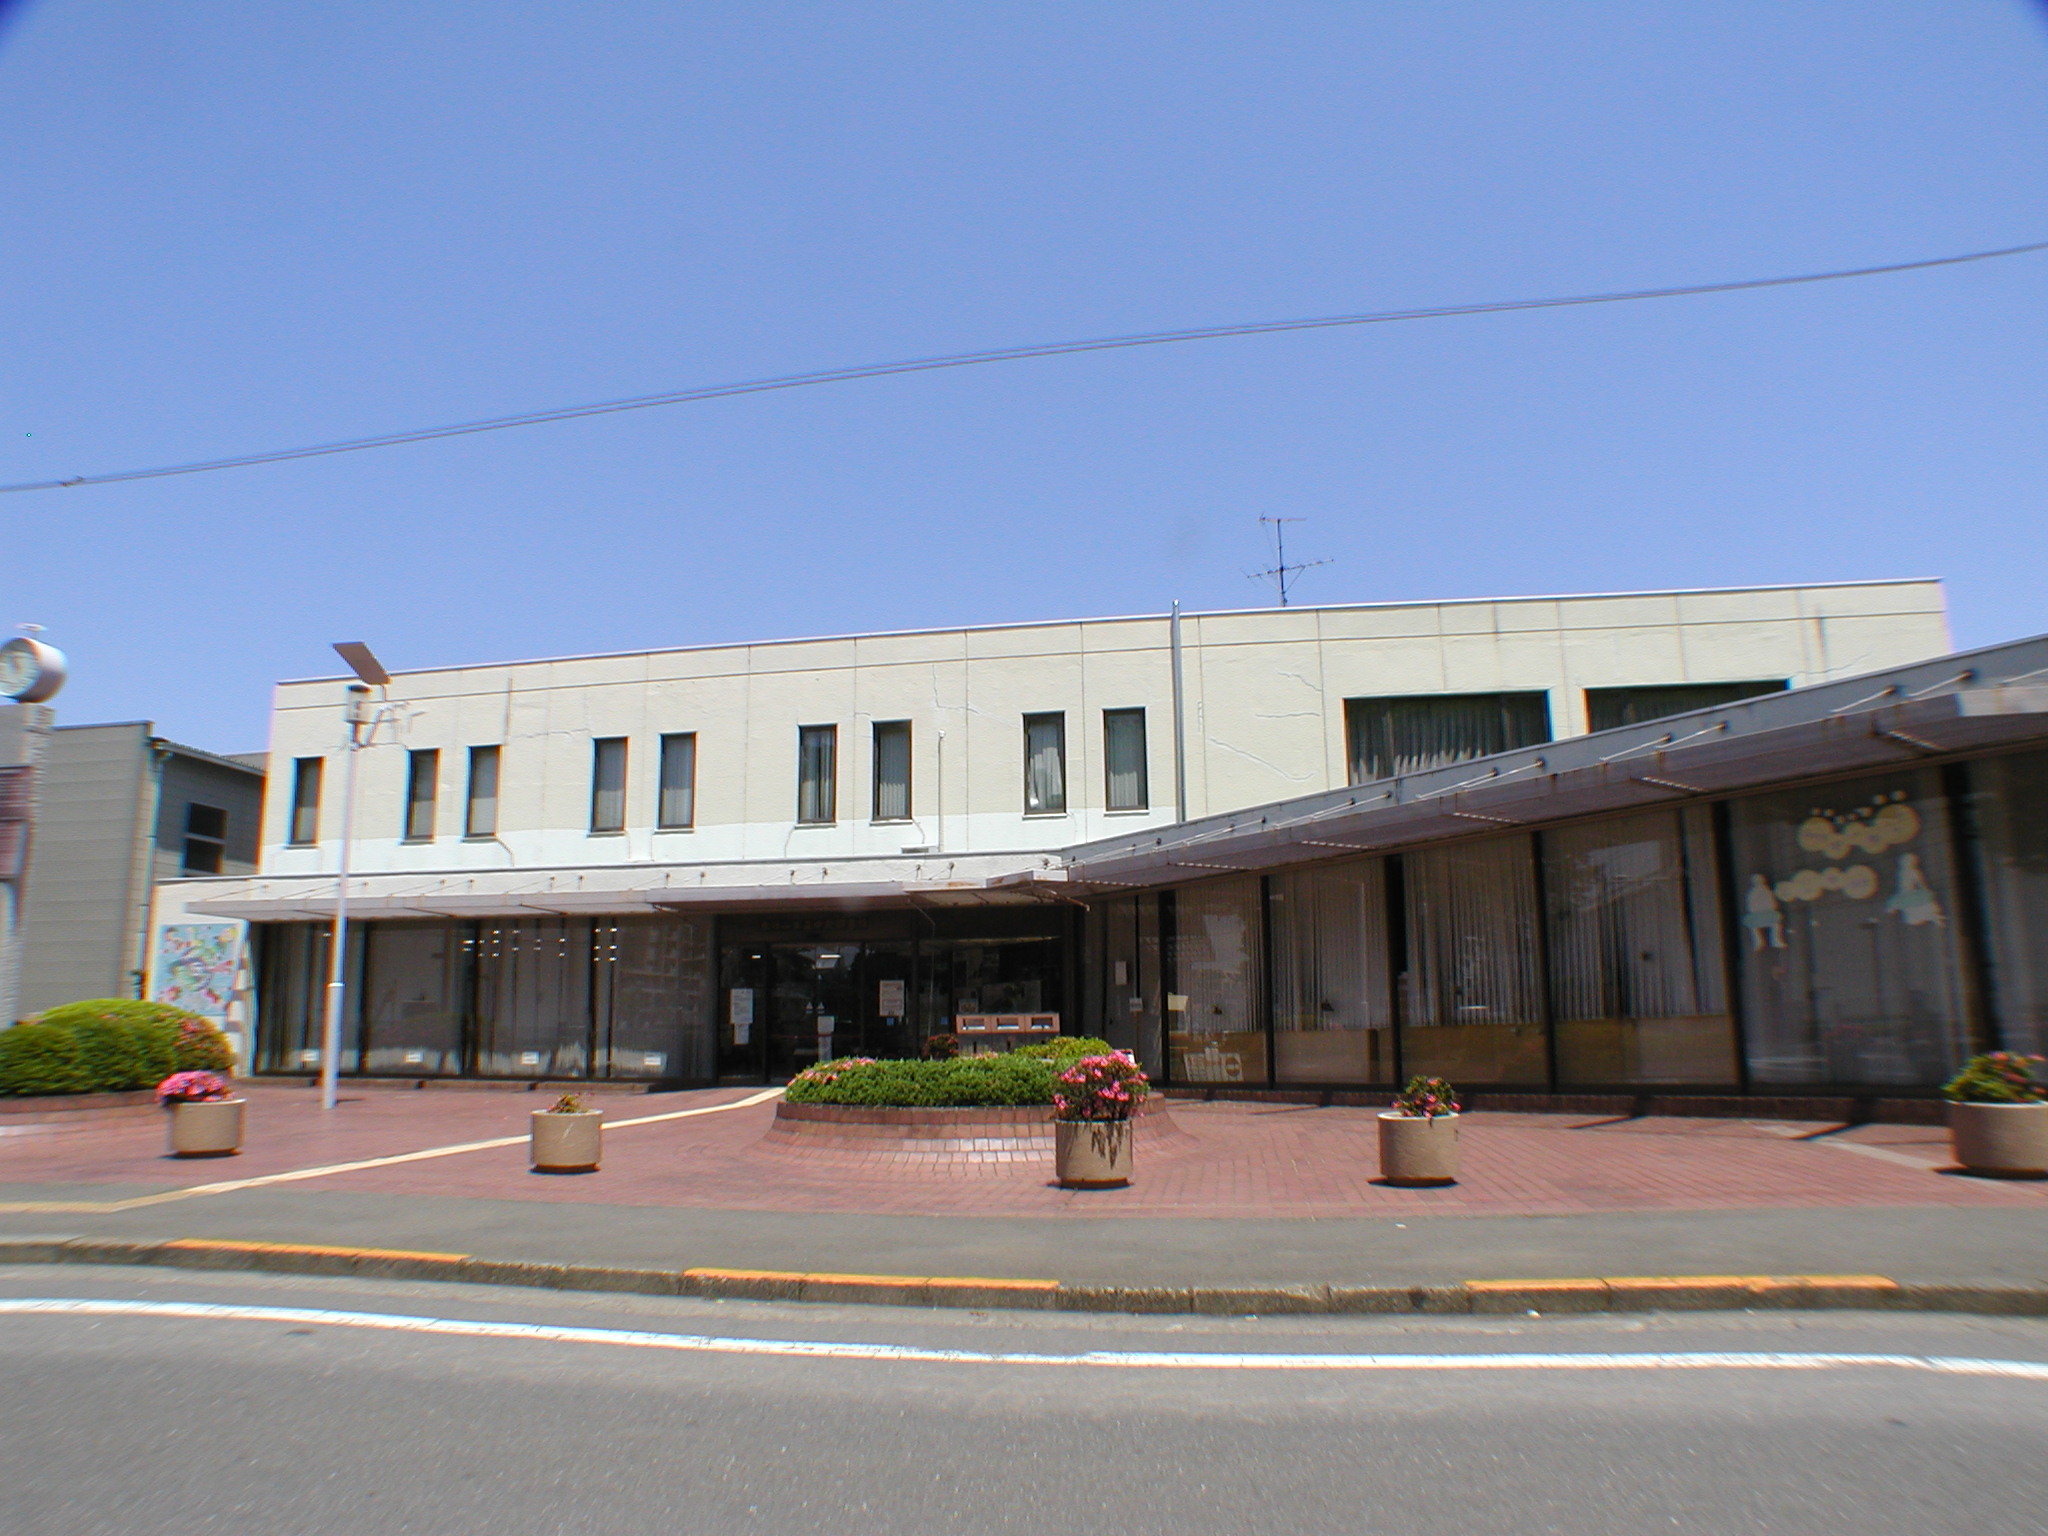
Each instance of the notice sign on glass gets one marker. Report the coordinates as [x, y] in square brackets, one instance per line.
[891, 1005]
[741, 1011]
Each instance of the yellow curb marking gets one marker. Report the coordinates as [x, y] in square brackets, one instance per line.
[226, 1245]
[229, 1186]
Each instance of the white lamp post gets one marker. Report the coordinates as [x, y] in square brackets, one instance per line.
[362, 725]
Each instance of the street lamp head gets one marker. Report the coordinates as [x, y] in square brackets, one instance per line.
[362, 662]
[358, 710]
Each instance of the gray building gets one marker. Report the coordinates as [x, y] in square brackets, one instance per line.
[117, 809]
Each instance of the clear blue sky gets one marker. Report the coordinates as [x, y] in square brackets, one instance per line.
[235, 226]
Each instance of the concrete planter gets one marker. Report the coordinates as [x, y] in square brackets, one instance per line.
[567, 1143]
[2003, 1141]
[1092, 1154]
[1417, 1151]
[210, 1129]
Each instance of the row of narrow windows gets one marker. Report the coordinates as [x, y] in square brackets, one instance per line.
[1384, 737]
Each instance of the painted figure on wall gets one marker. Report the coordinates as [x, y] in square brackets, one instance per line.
[1762, 916]
[196, 965]
[1914, 901]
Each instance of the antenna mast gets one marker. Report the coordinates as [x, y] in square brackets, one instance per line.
[1280, 569]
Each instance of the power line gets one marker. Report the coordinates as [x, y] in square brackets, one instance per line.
[996, 355]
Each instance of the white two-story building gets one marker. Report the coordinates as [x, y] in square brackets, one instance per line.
[723, 862]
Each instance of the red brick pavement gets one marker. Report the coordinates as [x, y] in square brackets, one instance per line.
[1220, 1159]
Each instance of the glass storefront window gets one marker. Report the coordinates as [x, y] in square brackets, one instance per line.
[533, 997]
[1471, 1004]
[2010, 798]
[1132, 999]
[1216, 1035]
[415, 988]
[292, 993]
[1635, 952]
[1850, 972]
[1331, 1007]
[653, 984]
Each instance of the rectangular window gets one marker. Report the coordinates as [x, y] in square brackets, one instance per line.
[1332, 1014]
[2010, 798]
[676, 809]
[422, 779]
[306, 800]
[892, 770]
[481, 816]
[1851, 972]
[206, 839]
[1409, 734]
[1045, 764]
[1607, 708]
[1472, 1004]
[608, 785]
[1123, 760]
[1635, 952]
[817, 767]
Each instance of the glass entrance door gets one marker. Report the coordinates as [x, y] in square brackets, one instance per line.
[788, 1006]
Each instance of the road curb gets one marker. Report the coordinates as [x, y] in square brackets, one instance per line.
[1621, 1293]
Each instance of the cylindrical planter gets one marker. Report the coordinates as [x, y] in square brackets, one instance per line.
[2003, 1141]
[1417, 1151]
[209, 1129]
[1092, 1154]
[567, 1143]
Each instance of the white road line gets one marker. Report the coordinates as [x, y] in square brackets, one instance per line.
[295, 1175]
[1180, 1360]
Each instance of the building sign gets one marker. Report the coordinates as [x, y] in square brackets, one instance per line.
[891, 1004]
[740, 1009]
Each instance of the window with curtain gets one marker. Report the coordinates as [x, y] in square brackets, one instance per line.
[480, 814]
[306, 775]
[422, 779]
[1471, 1003]
[415, 992]
[608, 785]
[1410, 733]
[1045, 764]
[1218, 1036]
[2010, 795]
[1331, 1015]
[817, 766]
[892, 770]
[676, 799]
[1850, 971]
[1607, 708]
[1635, 952]
[1123, 760]
[533, 996]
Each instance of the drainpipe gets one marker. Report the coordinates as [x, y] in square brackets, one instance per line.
[1180, 723]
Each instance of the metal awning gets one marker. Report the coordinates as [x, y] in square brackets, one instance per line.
[1985, 701]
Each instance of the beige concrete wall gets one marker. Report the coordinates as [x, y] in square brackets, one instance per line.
[1265, 692]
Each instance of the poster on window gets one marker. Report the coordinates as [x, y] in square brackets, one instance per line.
[195, 967]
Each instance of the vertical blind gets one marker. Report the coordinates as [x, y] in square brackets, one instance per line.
[1472, 935]
[423, 769]
[1045, 763]
[892, 770]
[817, 752]
[608, 785]
[1123, 756]
[1632, 931]
[481, 819]
[1607, 708]
[1406, 735]
[678, 797]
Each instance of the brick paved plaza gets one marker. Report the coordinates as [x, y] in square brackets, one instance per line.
[1194, 1159]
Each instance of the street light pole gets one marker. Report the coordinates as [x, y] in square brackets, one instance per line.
[358, 716]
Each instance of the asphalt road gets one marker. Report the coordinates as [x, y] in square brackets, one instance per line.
[303, 1409]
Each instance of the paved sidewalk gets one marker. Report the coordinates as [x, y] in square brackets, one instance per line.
[1225, 1194]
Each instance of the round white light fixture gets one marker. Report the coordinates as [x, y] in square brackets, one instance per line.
[30, 671]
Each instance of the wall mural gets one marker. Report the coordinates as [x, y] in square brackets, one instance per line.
[1873, 829]
[196, 965]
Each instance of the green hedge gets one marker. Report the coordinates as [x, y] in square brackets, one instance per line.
[963, 1082]
[108, 1045]
[1067, 1048]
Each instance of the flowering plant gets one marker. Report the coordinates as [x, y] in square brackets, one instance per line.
[1427, 1097]
[825, 1073]
[567, 1104]
[1099, 1088]
[192, 1088]
[2002, 1077]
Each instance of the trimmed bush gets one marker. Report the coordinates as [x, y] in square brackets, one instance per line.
[962, 1083]
[1066, 1050]
[42, 1058]
[108, 1045]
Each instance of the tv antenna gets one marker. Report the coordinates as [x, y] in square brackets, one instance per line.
[1279, 572]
